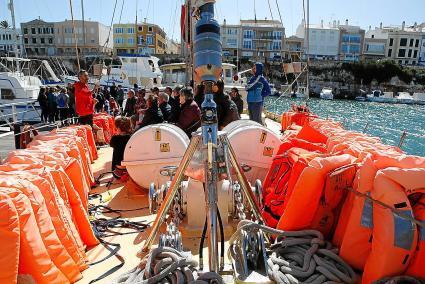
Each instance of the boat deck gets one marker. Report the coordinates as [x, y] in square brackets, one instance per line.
[129, 196]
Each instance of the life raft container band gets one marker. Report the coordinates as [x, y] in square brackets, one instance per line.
[399, 213]
[367, 213]
[403, 231]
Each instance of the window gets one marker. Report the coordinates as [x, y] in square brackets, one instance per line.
[25, 31]
[119, 40]
[40, 31]
[403, 42]
[247, 44]
[130, 40]
[277, 34]
[409, 54]
[119, 30]
[25, 40]
[232, 42]
[34, 40]
[277, 45]
[50, 40]
[390, 51]
[248, 34]
[42, 40]
[344, 48]
[33, 31]
[149, 39]
[345, 38]
[373, 36]
[130, 30]
[401, 52]
[140, 40]
[7, 94]
[140, 28]
[415, 54]
[355, 48]
[411, 42]
[150, 29]
[417, 43]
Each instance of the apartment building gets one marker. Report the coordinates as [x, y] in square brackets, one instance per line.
[404, 44]
[261, 39]
[143, 38]
[93, 38]
[231, 40]
[324, 40]
[38, 38]
[351, 42]
[8, 38]
[375, 44]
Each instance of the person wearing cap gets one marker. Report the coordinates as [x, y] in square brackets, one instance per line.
[84, 101]
[190, 114]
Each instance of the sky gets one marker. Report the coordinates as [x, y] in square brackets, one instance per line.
[166, 13]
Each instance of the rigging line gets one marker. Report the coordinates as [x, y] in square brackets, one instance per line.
[174, 20]
[283, 41]
[75, 35]
[147, 10]
[110, 26]
[270, 8]
[122, 6]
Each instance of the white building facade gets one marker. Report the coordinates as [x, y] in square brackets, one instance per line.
[8, 38]
[231, 40]
[323, 41]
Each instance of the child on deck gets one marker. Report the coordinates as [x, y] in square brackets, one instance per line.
[119, 141]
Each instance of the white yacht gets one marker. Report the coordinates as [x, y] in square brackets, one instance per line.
[404, 98]
[381, 97]
[327, 94]
[142, 70]
[419, 98]
[18, 91]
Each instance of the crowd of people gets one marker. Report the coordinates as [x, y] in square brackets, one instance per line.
[180, 106]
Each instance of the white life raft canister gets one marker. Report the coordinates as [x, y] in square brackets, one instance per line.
[151, 148]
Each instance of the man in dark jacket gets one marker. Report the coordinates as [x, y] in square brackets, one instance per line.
[152, 114]
[164, 106]
[227, 111]
[175, 104]
[130, 104]
[190, 114]
[237, 99]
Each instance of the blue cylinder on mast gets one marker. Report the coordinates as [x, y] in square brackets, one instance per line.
[207, 46]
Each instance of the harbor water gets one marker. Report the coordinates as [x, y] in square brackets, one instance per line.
[386, 121]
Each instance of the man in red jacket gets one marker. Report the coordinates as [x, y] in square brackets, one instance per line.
[84, 102]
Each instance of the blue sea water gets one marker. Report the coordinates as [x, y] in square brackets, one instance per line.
[386, 121]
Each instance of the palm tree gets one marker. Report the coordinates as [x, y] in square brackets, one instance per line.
[4, 24]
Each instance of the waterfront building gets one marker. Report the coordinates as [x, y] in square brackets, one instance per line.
[324, 40]
[403, 43]
[95, 39]
[294, 47]
[351, 42]
[422, 51]
[7, 40]
[173, 47]
[143, 38]
[375, 44]
[38, 38]
[261, 39]
[231, 40]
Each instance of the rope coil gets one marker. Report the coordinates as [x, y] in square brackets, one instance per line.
[296, 256]
[167, 265]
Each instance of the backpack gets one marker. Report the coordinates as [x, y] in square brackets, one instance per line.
[61, 101]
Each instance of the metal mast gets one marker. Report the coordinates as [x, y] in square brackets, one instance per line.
[15, 34]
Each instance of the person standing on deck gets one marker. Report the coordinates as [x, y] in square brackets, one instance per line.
[237, 99]
[84, 101]
[174, 102]
[258, 88]
[227, 111]
[120, 96]
[51, 101]
[62, 101]
[43, 102]
[164, 106]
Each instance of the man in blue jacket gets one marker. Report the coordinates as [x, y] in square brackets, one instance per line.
[258, 88]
